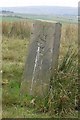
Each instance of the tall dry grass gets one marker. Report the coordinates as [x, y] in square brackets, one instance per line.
[20, 29]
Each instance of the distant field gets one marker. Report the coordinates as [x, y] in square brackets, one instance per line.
[61, 19]
[10, 19]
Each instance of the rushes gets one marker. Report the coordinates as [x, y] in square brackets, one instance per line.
[63, 91]
[68, 61]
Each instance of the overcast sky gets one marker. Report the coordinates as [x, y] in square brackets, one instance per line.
[13, 3]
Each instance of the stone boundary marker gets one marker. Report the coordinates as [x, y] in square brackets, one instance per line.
[42, 58]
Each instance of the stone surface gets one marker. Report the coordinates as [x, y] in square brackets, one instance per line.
[42, 58]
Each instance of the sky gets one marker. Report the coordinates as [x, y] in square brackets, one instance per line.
[19, 3]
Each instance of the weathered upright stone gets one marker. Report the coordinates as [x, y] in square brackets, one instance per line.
[42, 57]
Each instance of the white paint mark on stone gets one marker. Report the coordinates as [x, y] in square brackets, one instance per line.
[35, 65]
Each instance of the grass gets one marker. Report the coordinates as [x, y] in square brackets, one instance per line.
[20, 29]
[10, 19]
[22, 112]
[13, 61]
[62, 102]
[13, 66]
